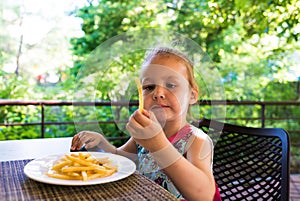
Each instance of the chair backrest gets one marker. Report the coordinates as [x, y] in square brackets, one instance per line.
[250, 163]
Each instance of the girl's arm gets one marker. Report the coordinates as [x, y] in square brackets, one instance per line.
[128, 150]
[193, 176]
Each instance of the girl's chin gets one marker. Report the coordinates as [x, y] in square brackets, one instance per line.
[164, 116]
[160, 115]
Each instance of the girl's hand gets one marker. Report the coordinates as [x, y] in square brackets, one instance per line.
[147, 131]
[87, 138]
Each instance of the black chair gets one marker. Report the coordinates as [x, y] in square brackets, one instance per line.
[249, 163]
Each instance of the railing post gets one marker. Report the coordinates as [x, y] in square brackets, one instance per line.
[263, 108]
[42, 121]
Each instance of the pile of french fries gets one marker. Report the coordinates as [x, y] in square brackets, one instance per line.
[81, 166]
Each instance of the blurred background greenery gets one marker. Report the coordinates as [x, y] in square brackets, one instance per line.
[255, 45]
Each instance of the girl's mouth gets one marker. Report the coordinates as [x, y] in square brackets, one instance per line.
[159, 107]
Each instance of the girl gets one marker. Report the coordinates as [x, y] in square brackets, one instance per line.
[168, 150]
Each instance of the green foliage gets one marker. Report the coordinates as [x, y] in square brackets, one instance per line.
[244, 39]
[11, 86]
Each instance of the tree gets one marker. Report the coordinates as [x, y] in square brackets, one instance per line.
[247, 41]
[35, 40]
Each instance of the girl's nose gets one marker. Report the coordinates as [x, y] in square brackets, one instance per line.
[159, 92]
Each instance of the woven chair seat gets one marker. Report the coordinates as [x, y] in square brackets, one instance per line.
[249, 163]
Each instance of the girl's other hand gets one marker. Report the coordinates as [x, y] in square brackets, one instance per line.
[88, 139]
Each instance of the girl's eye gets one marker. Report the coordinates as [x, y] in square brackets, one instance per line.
[149, 87]
[170, 85]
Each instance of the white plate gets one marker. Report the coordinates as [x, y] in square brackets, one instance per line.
[37, 169]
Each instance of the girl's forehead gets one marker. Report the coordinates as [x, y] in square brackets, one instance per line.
[153, 72]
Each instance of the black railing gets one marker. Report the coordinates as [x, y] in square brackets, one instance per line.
[42, 104]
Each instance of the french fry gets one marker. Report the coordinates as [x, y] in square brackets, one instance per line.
[78, 169]
[82, 166]
[84, 175]
[80, 161]
[63, 176]
[61, 165]
[141, 98]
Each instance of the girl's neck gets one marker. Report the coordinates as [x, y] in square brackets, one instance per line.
[170, 128]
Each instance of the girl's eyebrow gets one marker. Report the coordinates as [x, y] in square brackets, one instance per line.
[166, 78]
[172, 77]
[146, 80]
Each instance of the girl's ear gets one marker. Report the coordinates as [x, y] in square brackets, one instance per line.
[194, 96]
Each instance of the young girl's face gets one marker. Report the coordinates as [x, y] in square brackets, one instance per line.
[166, 89]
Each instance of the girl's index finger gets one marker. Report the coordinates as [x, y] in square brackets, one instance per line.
[146, 113]
[142, 118]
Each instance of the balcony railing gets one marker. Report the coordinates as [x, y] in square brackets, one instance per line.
[49, 103]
